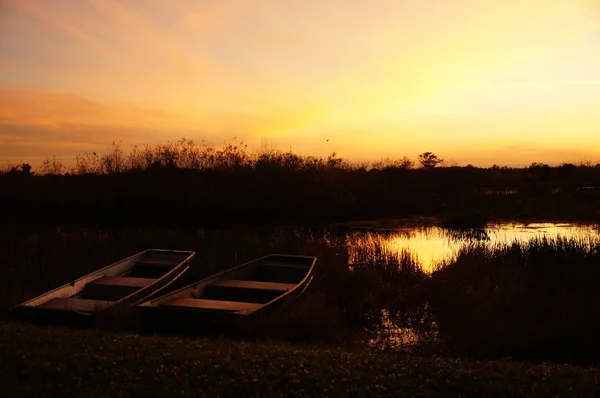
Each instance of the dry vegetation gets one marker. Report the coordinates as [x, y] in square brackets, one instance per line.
[536, 300]
[185, 183]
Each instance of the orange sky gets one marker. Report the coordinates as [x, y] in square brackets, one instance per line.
[475, 81]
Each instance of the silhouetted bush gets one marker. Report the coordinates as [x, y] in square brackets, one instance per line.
[185, 183]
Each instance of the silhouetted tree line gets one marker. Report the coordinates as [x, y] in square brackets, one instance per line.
[187, 184]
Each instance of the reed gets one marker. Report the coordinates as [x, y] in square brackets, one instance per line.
[535, 300]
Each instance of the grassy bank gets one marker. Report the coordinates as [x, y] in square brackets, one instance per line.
[92, 363]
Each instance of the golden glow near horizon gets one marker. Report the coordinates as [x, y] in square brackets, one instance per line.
[475, 81]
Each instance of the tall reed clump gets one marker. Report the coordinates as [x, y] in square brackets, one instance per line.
[186, 154]
[397, 295]
[536, 300]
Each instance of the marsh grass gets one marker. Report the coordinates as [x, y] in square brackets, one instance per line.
[535, 300]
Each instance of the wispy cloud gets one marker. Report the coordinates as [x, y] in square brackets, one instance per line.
[66, 124]
[156, 43]
[580, 82]
[544, 83]
[66, 26]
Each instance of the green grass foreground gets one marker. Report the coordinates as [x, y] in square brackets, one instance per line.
[62, 362]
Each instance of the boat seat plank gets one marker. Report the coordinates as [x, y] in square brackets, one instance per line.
[122, 281]
[168, 255]
[284, 264]
[152, 262]
[216, 305]
[234, 283]
[114, 288]
[73, 304]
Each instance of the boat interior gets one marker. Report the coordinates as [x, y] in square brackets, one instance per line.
[243, 289]
[103, 290]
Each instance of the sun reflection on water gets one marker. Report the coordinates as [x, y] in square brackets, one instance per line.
[432, 245]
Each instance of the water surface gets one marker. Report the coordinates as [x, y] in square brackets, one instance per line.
[432, 245]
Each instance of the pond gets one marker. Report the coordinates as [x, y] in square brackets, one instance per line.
[431, 245]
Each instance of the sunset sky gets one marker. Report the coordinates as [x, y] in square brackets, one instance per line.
[474, 81]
